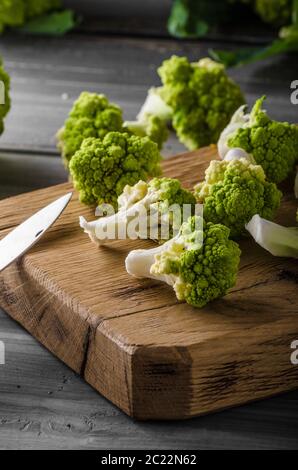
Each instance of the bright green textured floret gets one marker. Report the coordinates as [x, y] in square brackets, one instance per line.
[234, 191]
[202, 97]
[276, 12]
[4, 95]
[273, 145]
[92, 115]
[14, 13]
[101, 168]
[158, 207]
[39, 7]
[200, 263]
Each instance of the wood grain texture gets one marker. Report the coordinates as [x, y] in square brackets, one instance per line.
[153, 357]
[49, 73]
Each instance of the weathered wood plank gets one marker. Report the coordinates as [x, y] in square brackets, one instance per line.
[45, 71]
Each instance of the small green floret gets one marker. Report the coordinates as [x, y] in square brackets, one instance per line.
[201, 263]
[101, 169]
[276, 12]
[273, 144]
[234, 191]
[14, 13]
[202, 98]
[35, 8]
[92, 115]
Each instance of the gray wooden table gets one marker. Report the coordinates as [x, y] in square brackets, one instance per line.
[43, 404]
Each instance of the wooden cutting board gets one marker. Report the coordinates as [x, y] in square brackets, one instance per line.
[153, 357]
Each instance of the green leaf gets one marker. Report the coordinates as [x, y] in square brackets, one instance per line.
[287, 42]
[193, 18]
[248, 55]
[53, 24]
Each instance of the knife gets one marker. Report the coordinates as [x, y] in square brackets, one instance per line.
[23, 237]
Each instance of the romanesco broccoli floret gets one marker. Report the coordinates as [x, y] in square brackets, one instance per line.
[276, 12]
[234, 191]
[202, 98]
[92, 115]
[12, 13]
[101, 168]
[150, 125]
[15, 13]
[154, 210]
[4, 95]
[273, 145]
[39, 7]
[200, 263]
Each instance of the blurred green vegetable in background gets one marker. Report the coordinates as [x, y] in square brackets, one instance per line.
[194, 18]
[286, 42]
[4, 95]
[36, 16]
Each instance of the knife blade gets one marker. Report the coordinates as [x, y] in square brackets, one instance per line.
[23, 237]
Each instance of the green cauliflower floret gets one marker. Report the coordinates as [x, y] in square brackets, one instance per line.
[200, 263]
[4, 95]
[276, 12]
[101, 168]
[153, 210]
[92, 115]
[202, 98]
[12, 13]
[39, 7]
[273, 145]
[150, 125]
[234, 191]
[15, 13]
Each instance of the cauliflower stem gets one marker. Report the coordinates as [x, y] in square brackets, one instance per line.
[137, 202]
[152, 126]
[278, 240]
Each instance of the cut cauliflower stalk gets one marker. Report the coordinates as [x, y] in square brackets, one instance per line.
[149, 203]
[278, 240]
